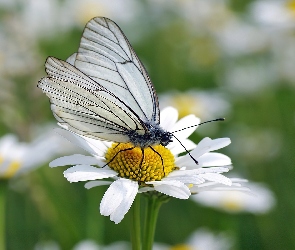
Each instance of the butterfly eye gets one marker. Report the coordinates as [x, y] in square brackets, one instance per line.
[166, 138]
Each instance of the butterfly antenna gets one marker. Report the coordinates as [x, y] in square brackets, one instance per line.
[186, 149]
[215, 120]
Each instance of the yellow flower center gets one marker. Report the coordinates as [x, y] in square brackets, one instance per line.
[291, 6]
[142, 165]
[233, 205]
[90, 10]
[181, 247]
[10, 169]
[186, 105]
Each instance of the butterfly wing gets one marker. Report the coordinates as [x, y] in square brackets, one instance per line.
[106, 56]
[86, 107]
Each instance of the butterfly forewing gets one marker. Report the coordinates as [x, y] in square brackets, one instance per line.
[106, 56]
[84, 106]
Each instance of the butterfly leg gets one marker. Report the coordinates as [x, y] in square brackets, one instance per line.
[126, 149]
[160, 158]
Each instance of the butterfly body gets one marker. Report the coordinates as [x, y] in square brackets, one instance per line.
[154, 135]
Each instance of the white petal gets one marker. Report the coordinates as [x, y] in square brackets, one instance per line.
[206, 160]
[112, 198]
[211, 170]
[239, 180]
[176, 148]
[195, 176]
[94, 147]
[76, 159]
[220, 143]
[125, 205]
[118, 199]
[91, 184]
[145, 189]
[186, 161]
[184, 176]
[214, 159]
[207, 144]
[7, 142]
[185, 124]
[217, 178]
[168, 118]
[172, 188]
[198, 171]
[87, 173]
[195, 179]
[203, 147]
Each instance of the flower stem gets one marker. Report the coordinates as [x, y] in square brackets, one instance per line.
[3, 192]
[135, 225]
[152, 211]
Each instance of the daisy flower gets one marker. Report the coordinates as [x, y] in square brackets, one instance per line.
[259, 201]
[20, 157]
[92, 245]
[162, 169]
[202, 239]
[82, 11]
[204, 104]
[274, 13]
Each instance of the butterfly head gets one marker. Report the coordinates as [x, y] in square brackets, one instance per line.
[166, 138]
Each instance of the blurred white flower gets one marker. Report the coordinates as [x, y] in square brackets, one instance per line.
[201, 239]
[274, 13]
[204, 15]
[200, 17]
[92, 245]
[17, 55]
[80, 12]
[41, 18]
[276, 20]
[259, 201]
[204, 104]
[47, 245]
[254, 145]
[283, 52]
[35, 19]
[238, 37]
[87, 245]
[8, 4]
[20, 157]
[249, 77]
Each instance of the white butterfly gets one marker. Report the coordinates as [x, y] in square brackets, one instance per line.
[103, 91]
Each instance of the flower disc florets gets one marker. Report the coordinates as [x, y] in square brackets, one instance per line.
[138, 164]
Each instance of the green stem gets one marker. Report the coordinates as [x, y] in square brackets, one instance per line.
[135, 225]
[153, 207]
[3, 193]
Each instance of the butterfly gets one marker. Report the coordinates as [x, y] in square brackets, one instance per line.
[103, 91]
